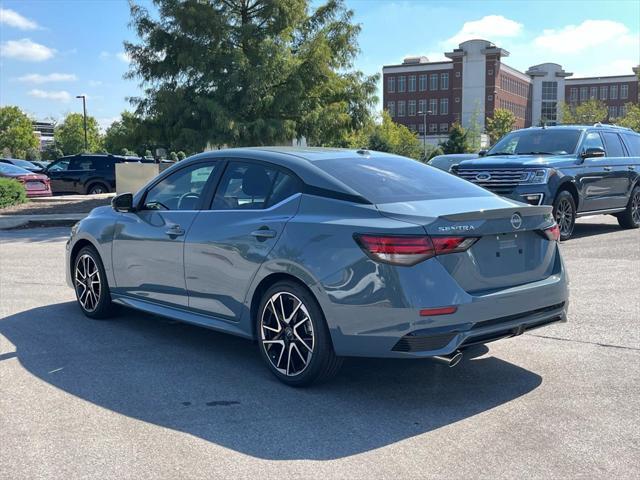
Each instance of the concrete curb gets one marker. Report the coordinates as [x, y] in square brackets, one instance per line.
[8, 222]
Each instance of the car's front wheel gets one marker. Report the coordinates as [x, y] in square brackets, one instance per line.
[293, 337]
[90, 282]
[564, 212]
[630, 218]
[97, 189]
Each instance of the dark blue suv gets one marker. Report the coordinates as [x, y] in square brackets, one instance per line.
[579, 170]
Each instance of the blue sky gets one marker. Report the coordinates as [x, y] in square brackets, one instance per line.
[53, 50]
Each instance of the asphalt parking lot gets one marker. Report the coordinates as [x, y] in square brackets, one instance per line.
[143, 397]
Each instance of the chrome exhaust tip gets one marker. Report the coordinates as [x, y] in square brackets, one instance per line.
[450, 360]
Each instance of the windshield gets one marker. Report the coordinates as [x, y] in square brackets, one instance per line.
[8, 169]
[537, 141]
[23, 164]
[392, 179]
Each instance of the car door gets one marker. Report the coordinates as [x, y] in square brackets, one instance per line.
[228, 242]
[148, 244]
[595, 176]
[57, 173]
[619, 176]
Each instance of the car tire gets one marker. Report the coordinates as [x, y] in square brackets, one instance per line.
[630, 218]
[293, 337]
[90, 284]
[564, 213]
[97, 188]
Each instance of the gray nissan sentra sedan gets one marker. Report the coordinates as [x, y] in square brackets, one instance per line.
[320, 254]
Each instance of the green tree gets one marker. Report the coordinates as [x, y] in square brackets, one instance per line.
[32, 154]
[256, 72]
[69, 135]
[387, 136]
[586, 113]
[181, 156]
[458, 141]
[173, 156]
[51, 152]
[129, 133]
[16, 132]
[500, 124]
[632, 117]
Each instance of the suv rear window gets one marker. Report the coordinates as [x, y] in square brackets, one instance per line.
[397, 179]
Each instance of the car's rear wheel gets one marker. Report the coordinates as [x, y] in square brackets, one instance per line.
[293, 337]
[97, 188]
[630, 218]
[90, 284]
[564, 212]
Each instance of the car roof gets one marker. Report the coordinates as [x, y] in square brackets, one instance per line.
[597, 126]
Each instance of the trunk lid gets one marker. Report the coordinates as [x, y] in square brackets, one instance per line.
[511, 249]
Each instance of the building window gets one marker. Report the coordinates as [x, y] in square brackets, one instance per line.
[402, 84]
[623, 109]
[422, 83]
[593, 93]
[433, 82]
[433, 128]
[457, 100]
[412, 127]
[613, 92]
[444, 127]
[549, 112]
[490, 98]
[584, 93]
[444, 81]
[549, 91]
[457, 74]
[391, 108]
[401, 109]
[412, 108]
[391, 84]
[490, 71]
[613, 111]
[444, 106]
[604, 92]
[422, 106]
[433, 106]
[412, 83]
[624, 92]
[421, 127]
[573, 96]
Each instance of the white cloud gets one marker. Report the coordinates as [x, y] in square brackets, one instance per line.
[60, 96]
[622, 66]
[105, 122]
[124, 56]
[487, 28]
[590, 33]
[95, 83]
[14, 19]
[432, 56]
[25, 49]
[51, 77]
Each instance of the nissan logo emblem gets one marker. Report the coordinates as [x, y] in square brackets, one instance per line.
[483, 177]
[516, 221]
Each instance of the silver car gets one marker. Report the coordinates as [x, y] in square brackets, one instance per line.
[320, 254]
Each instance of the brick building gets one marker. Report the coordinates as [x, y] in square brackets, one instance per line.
[476, 81]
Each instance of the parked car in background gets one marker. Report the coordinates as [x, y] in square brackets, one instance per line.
[87, 173]
[35, 184]
[578, 170]
[445, 162]
[40, 163]
[323, 253]
[27, 165]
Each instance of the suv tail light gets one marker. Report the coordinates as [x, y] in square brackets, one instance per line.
[410, 249]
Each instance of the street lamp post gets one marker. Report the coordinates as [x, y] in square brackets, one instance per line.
[424, 130]
[84, 109]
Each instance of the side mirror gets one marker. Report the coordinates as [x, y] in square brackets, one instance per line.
[482, 153]
[593, 152]
[123, 203]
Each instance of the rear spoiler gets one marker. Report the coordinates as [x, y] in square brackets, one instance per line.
[524, 211]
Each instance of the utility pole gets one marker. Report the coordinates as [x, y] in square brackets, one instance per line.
[84, 109]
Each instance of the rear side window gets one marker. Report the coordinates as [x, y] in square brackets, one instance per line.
[613, 144]
[82, 163]
[398, 179]
[633, 144]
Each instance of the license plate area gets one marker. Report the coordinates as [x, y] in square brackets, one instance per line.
[34, 186]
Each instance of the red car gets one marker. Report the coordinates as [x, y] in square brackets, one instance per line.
[36, 184]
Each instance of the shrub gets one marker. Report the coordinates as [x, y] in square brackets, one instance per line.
[11, 192]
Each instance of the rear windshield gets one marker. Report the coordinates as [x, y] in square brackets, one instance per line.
[397, 179]
[537, 142]
[9, 169]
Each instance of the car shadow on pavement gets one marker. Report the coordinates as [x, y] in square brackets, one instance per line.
[215, 387]
[590, 229]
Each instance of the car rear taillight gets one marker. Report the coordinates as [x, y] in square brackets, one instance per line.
[410, 249]
[552, 233]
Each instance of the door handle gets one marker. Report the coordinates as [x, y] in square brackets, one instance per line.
[174, 231]
[263, 233]
[607, 169]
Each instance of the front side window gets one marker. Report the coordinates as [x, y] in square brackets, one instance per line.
[59, 166]
[252, 186]
[181, 190]
[613, 144]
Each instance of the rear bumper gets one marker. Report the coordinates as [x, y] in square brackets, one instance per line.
[385, 330]
[38, 193]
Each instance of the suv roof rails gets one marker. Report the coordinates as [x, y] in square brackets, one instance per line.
[608, 125]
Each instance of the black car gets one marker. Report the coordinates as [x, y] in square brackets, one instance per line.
[87, 173]
[27, 165]
[579, 170]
